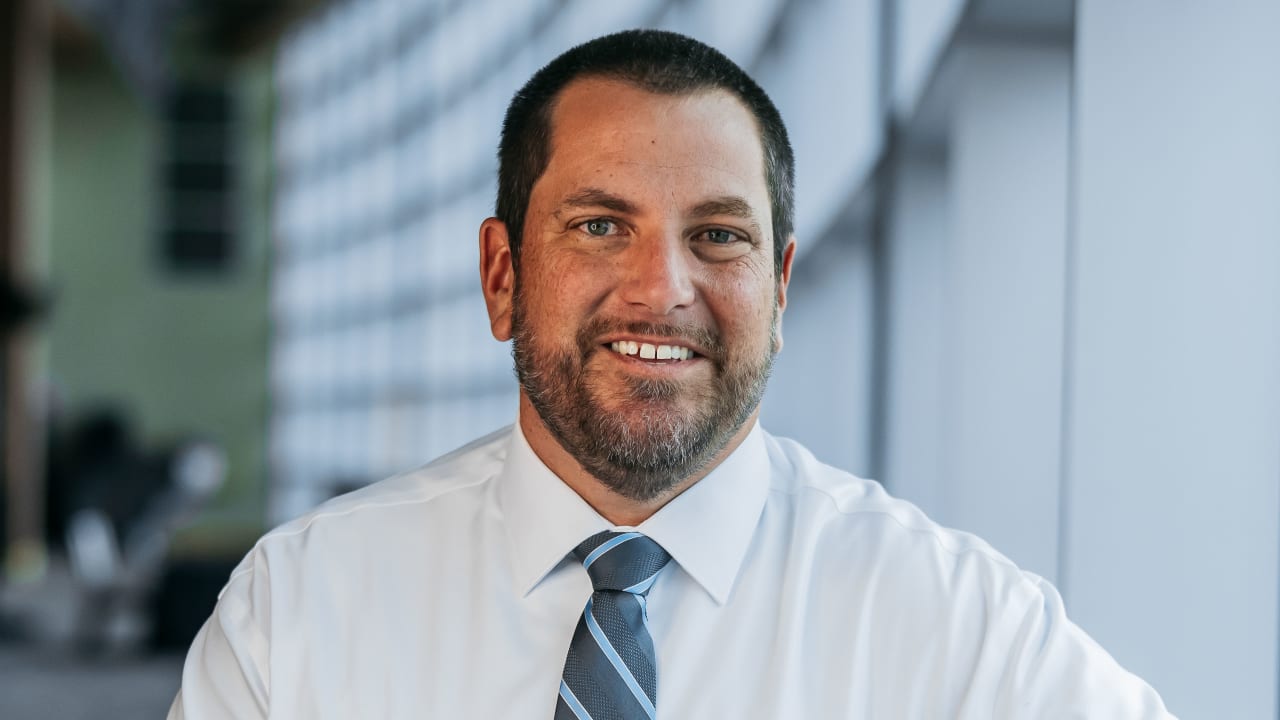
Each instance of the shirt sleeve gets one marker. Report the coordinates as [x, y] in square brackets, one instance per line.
[1056, 670]
[226, 674]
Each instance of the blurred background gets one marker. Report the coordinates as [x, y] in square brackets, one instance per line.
[1037, 293]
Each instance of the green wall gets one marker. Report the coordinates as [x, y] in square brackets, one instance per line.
[184, 354]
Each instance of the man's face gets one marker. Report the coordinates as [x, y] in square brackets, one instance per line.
[646, 304]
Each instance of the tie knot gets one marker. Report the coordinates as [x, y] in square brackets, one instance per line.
[626, 561]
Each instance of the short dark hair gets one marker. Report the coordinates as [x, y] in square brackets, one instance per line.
[653, 60]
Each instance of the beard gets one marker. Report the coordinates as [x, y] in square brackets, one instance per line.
[663, 432]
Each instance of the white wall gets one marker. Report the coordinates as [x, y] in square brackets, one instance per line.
[820, 391]
[1008, 175]
[976, 368]
[822, 73]
[922, 29]
[1084, 330]
[917, 267]
[1174, 408]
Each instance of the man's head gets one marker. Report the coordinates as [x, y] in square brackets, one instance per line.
[645, 302]
[654, 60]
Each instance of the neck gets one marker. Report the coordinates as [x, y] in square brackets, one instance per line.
[613, 507]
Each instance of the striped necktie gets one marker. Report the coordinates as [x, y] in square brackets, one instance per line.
[611, 671]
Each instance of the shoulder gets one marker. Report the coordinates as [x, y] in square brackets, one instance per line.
[896, 564]
[464, 468]
[922, 592]
[845, 508]
[387, 511]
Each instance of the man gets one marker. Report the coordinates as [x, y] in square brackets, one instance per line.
[636, 546]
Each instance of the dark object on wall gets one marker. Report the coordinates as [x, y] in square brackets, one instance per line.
[199, 179]
[144, 37]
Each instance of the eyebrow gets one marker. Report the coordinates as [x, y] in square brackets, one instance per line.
[724, 205]
[595, 197]
[730, 205]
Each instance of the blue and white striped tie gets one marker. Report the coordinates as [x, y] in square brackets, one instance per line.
[611, 671]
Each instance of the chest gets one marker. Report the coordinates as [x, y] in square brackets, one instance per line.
[486, 650]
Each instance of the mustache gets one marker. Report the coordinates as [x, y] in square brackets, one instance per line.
[706, 340]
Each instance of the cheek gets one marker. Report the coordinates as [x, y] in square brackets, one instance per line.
[743, 305]
[561, 293]
[571, 283]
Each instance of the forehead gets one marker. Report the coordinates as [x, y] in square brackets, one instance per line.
[604, 129]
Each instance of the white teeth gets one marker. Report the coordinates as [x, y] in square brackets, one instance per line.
[648, 351]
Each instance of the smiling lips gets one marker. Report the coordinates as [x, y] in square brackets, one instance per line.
[649, 351]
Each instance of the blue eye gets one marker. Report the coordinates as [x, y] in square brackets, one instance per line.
[599, 228]
[720, 237]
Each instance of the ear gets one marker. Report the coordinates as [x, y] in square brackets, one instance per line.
[497, 276]
[784, 279]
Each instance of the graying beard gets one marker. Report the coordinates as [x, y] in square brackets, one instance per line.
[637, 467]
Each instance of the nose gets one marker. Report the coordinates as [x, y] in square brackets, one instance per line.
[658, 275]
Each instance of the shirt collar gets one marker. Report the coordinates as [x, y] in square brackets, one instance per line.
[706, 529]
[544, 518]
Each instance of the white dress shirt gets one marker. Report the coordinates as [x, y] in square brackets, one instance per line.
[795, 591]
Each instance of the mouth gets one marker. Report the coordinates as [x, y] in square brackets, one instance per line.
[651, 352]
